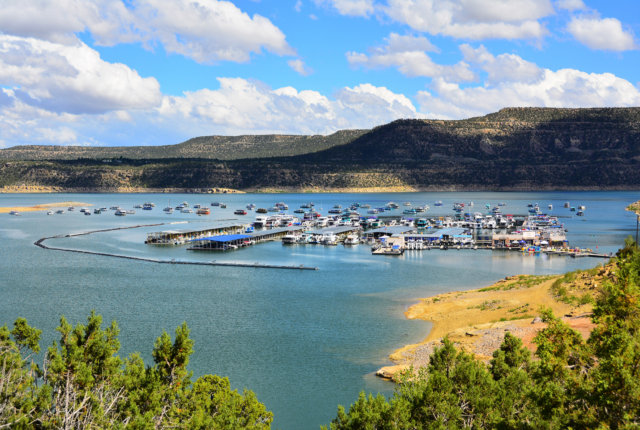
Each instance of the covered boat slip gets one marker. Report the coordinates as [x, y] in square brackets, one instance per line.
[389, 231]
[340, 232]
[446, 235]
[173, 237]
[235, 241]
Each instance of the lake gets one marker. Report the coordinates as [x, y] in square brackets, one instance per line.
[303, 341]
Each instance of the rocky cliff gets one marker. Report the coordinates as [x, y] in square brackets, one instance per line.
[514, 149]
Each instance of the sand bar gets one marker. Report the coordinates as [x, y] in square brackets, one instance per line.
[42, 207]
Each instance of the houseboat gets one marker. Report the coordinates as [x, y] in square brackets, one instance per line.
[240, 212]
[121, 212]
[203, 211]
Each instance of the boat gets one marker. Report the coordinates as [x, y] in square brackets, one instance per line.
[223, 206]
[150, 205]
[470, 203]
[365, 206]
[97, 211]
[337, 206]
[103, 209]
[203, 211]
[251, 206]
[131, 212]
[14, 213]
[300, 211]
[83, 210]
[261, 221]
[291, 239]
[438, 203]
[406, 204]
[147, 206]
[372, 211]
[60, 211]
[168, 209]
[51, 212]
[274, 209]
[567, 205]
[215, 204]
[307, 205]
[502, 204]
[71, 209]
[582, 208]
[114, 208]
[186, 211]
[409, 211]
[249, 229]
[573, 209]
[240, 212]
[185, 204]
[550, 207]
[137, 206]
[87, 213]
[422, 223]
[333, 211]
[580, 213]
[120, 212]
[352, 239]
[329, 238]
[197, 206]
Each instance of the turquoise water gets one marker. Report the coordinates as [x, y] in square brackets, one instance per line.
[304, 341]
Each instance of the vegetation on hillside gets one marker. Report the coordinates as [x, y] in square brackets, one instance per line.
[84, 384]
[570, 383]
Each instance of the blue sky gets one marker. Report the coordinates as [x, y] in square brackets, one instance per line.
[144, 72]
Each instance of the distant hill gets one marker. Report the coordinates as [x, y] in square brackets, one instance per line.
[211, 147]
[513, 149]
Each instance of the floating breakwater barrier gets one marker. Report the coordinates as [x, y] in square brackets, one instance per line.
[40, 243]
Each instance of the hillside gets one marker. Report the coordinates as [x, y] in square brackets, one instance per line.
[211, 147]
[513, 149]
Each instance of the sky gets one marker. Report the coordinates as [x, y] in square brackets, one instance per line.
[157, 72]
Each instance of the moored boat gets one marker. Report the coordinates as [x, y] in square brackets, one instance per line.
[121, 212]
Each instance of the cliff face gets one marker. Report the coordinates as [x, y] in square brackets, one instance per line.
[514, 149]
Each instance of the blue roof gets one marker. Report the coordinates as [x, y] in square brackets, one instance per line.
[223, 238]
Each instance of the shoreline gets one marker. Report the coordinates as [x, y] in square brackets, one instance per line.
[477, 320]
[42, 207]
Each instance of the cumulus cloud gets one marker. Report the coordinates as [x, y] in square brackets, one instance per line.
[571, 5]
[206, 31]
[407, 54]
[563, 88]
[300, 67]
[605, 34]
[350, 7]
[71, 78]
[473, 19]
[298, 6]
[504, 67]
[243, 105]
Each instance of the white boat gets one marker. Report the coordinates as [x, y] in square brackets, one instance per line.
[149, 204]
[251, 206]
[114, 208]
[329, 238]
[322, 221]
[352, 239]
[550, 207]
[14, 213]
[84, 210]
[406, 204]
[197, 206]
[50, 213]
[71, 209]
[291, 238]
[372, 211]
[261, 221]
[87, 213]
[185, 204]
[137, 206]
[186, 211]
[120, 212]
[60, 211]
[168, 209]
[103, 209]
[131, 212]
[97, 211]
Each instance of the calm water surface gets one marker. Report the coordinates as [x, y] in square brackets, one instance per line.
[304, 341]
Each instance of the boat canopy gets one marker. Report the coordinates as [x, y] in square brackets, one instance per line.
[223, 238]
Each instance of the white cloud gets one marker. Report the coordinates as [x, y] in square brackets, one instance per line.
[298, 6]
[473, 19]
[504, 67]
[71, 78]
[205, 31]
[300, 67]
[61, 135]
[406, 53]
[605, 34]
[313, 17]
[350, 7]
[563, 88]
[571, 5]
[240, 105]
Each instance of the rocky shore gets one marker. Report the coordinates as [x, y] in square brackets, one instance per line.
[14, 189]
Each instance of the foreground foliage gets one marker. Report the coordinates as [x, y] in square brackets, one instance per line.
[575, 383]
[83, 384]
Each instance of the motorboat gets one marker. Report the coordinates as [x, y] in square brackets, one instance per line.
[329, 238]
[150, 205]
[410, 211]
[337, 206]
[261, 221]
[185, 204]
[580, 213]
[83, 210]
[60, 211]
[422, 223]
[251, 206]
[71, 209]
[215, 204]
[322, 221]
[114, 208]
[291, 239]
[274, 209]
[168, 209]
[14, 213]
[197, 206]
[240, 212]
[87, 213]
[186, 211]
[51, 212]
[223, 206]
[203, 210]
[261, 211]
[249, 229]
[438, 203]
[121, 212]
[550, 207]
[307, 205]
[147, 206]
[331, 211]
[137, 206]
[372, 211]
[103, 209]
[131, 212]
[352, 239]
[97, 211]
[406, 204]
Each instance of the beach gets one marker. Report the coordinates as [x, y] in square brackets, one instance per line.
[42, 207]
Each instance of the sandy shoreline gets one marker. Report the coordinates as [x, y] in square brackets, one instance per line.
[42, 207]
[477, 320]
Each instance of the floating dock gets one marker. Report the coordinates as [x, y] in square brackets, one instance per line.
[390, 231]
[176, 237]
[236, 241]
